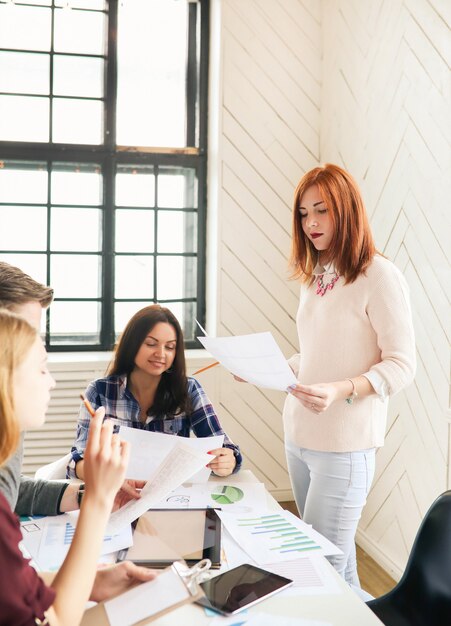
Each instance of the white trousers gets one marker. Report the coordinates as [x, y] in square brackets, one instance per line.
[330, 489]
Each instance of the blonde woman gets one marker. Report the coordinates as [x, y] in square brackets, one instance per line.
[25, 385]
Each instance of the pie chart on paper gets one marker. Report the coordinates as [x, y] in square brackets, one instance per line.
[227, 495]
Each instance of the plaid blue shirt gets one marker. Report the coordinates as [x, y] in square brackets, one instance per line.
[112, 393]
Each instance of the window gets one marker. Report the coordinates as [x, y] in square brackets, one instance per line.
[103, 159]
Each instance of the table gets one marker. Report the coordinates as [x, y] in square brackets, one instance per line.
[344, 609]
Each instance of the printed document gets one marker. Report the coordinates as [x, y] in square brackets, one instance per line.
[181, 463]
[255, 358]
[148, 449]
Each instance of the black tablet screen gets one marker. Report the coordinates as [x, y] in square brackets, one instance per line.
[241, 587]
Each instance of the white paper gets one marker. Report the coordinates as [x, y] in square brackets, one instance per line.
[272, 536]
[146, 599]
[310, 576]
[181, 462]
[56, 536]
[256, 358]
[240, 497]
[148, 450]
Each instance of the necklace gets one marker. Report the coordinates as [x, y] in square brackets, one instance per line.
[321, 287]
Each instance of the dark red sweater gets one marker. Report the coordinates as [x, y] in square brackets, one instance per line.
[23, 595]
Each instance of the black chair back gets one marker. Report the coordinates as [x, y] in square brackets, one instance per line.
[423, 595]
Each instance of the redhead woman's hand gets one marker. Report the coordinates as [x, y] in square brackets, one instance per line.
[223, 463]
[316, 398]
[105, 460]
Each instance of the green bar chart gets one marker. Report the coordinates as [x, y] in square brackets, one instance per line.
[283, 534]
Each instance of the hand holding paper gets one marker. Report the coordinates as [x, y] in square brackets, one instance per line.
[181, 463]
[254, 358]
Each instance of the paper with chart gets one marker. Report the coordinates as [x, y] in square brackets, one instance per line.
[256, 358]
[270, 537]
[310, 576]
[56, 536]
[181, 463]
[148, 449]
[241, 497]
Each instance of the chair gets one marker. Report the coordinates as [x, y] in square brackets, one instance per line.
[423, 595]
[55, 470]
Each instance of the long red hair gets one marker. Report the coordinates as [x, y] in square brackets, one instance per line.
[352, 247]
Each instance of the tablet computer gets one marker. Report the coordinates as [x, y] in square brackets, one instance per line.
[162, 536]
[239, 588]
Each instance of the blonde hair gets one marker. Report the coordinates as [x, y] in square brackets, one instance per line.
[17, 288]
[16, 338]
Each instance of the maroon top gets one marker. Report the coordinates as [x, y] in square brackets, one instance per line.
[23, 595]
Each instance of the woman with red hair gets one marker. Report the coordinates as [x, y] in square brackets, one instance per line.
[356, 348]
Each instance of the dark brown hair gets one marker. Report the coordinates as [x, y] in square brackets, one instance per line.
[352, 247]
[171, 396]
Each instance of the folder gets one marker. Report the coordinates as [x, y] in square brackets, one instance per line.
[175, 586]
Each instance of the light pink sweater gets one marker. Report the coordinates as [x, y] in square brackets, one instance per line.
[365, 326]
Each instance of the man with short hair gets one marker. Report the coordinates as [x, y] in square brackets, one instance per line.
[23, 295]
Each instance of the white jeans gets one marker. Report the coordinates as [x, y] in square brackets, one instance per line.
[330, 489]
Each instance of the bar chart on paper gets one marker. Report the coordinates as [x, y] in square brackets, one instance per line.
[269, 537]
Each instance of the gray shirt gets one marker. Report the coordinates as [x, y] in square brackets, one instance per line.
[25, 495]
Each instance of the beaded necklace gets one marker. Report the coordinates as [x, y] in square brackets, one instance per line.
[321, 286]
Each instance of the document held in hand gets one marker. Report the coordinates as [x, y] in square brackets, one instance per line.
[255, 358]
[178, 465]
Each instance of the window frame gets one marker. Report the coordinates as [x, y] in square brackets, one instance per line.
[109, 155]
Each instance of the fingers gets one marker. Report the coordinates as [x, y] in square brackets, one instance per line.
[312, 397]
[224, 461]
[128, 487]
[138, 484]
[135, 572]
[95, 428]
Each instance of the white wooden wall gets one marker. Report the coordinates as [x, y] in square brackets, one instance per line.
[386, 117]
[268, 106]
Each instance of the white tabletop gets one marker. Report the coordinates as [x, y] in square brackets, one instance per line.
[343, 609]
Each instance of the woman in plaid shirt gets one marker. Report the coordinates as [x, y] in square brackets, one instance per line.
[147, 388]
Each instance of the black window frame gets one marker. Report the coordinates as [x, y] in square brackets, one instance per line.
[109, 155]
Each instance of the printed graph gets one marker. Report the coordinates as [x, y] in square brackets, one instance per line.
[227, 495]
[69, 532]
[278, 534]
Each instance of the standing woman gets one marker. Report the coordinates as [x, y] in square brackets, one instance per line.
[147, 388]
[25, 598]
[356, 348]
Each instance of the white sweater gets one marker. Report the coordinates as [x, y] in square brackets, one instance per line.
[365, 326]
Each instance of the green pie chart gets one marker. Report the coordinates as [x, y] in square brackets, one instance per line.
[228, 495]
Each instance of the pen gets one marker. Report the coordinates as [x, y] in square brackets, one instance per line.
[203, 369]
[88, 405]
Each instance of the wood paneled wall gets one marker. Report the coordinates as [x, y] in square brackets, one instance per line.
[385, 116]
[268, 101]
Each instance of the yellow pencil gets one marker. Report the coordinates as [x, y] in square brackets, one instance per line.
[203, 369]
[88, 405]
